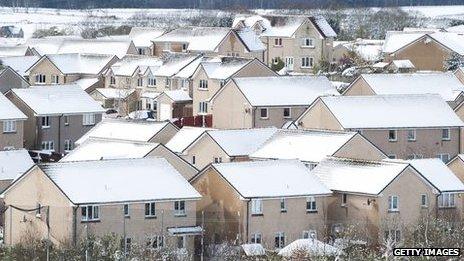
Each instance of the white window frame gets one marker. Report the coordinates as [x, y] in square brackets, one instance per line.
[217, 159]
[391, 203]
[203, 107]
[179, 208]
[40, 79]
[446, 137]
[88, 119]
[289, 116]
[66, 120]
[261, 115]
[181, 242]
[112, 80]
[151, 209]
[203, 84]
[151, 81]
[307, 62]
[94, 216]
[55, 79]
[396, 135]
[311, 204]
[394, 234]
[45, 122]
[257, 206]
[280, 236]
[447, 200]
[344, 199]
[156, 242]
[256, 238]
[126, 210]
[424, 201]
[48, 145]
[413, 136]
[278, 42]
[307, 42]
[283, 205]
[68, 145]
[445, 157]
[184, 47]
[9, 126]
[309, 234]
[140, 82]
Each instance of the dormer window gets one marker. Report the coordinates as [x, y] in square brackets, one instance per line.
[307, 42]
[184, 47]
[112, 80]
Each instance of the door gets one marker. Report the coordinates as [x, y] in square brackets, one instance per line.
[289, 63]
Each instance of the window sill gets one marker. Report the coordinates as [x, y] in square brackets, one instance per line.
[393, 211]
[306, 67]
[150, 217]
[45, 127]
[453, 207]
[91, 221]
[283, 211]
[278, 46]
[266, 118]
[257, 215]
[202, 89]
[307, 47]
[9, 132]
[128, 217]
[311, 211]
[86, 125]
[411, 140]
[289, 117]
[445, 139]
[180, 215]
[392, 140]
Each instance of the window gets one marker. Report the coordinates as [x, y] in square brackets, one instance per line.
[256, 207]
[307, 62]
[278, 42]
[140, 82]
[411, 135]
[88, 119]
[307, 234]
[202, 107]
[392, 135]
[445, 134]
[391, 156]
[393, 235]
[203, 84]
[150, 210]
[307, 42]
[141, 51]
[223, 82]
[168, 82]
[283, 205]
[45, 122]
[311, 166]
[156, 241]
[256, 238]
[112, 80]
[40, 78]
[279, 240]
[424, 201]
[151, 81]
[193, 160]
[344, 198]
[68, 145]
[48, 145]
[66, 120]
[287, 113]
[393, 203]
[181, 242]
[445, 157]
[9, 126]
[55, 79]
[217, 159]
[126, 210]
[184, 47]
[179, 208]
[263, 113]
[311, 204]
[446, 200]
[90, 213]
[127, 244]
[415, 156]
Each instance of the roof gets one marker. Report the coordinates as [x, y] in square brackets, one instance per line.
[8, 111]
[456, 28]
[438, 174]
[284, 90]
[197, 38]
[224, 67]
[404, 111]
[403, 64]
[397, 40]
[121, 129]
[17, 50]
[250, 21]
[184, 137]
[20, 63]
[454, 41]
[304, 145]
[446, 85]
[86, 83]
[311, 246]
[251, 40]
[253, 249]
[178, 95]
[142, 36]
[102, 148]
[131, 64]
[14, 163]
[287, 26]
[173, 63]
[74, 63]
[190, 69]
[276, 178]
[57, 100]
[241, 142]
[113, 181]
[115, 93]
[357, 176]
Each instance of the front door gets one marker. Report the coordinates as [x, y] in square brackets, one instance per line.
[289, 63]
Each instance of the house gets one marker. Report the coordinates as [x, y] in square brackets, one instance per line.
[298, 42]
[67, 68]
[445, 84]
[367, 49]
[14, 163]
[378, 200]
[256, 102]
[87, 84]
[426, 50]
[121, 100]
[12, 121]
[17, 50]
[11, 31]
[9, 79]
[265, 202]
[401, 66]
[210, 41]
[144, 201]
[57, 116]
[216, 146]
[405, 126]
[20, 64]
[173, 105]
[132, 130]
[312, 146]
[184, 137]
[211, 75]
[142, 38]
[103, 148]
[456, 165]
[256, 23]
[460, 74]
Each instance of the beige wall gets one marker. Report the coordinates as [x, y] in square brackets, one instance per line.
[29, 125]
[14, 139]
[457, 167]
[182, 166]
[165, 134]
[46, 67]
[318, 116]
[460, 74]
[359, 87]
[205, 149]
[276, 116]
[359, 148]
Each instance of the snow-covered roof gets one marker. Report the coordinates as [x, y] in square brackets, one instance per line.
[456, 29]
[357, 176]
[74, 63]
[251, 40]
[311, 246]
[149, 94]
[178, 95]
[241, 142]
[446, 85]
[438, 174]
[276, 178]
[403, 64]
[17, 50]
[184, 137]
[197, 38]
[131, 64]
[189, 70]
[304, 145]
[250, 21]
[224, 67]
[121, 129]
[115, 93]
[367, 49]
[142, 36]
[102, 148]
[58, 99]
[284, 90]
[20, 63]
[454, 41]
[253, 249]
[397, 40]
[14, 163]
[85, 83]
[8, 111]
[189, 230]
[392, 111]
[287, 26]
[117, 181]
[174, 63]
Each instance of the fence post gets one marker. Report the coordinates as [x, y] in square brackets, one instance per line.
[48, 232]
[202, 234]
[11, 226]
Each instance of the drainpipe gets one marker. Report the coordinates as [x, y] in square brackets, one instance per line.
[436, 205]
[74, 225]
[59, 133]
[247, 220]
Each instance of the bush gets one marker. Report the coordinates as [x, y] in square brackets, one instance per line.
[52, 31]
